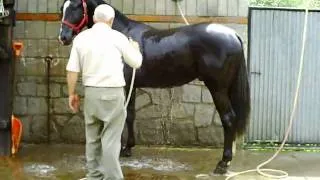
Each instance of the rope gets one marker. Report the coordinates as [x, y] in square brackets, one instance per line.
[259, 167]
[131, 87]
[182, 14]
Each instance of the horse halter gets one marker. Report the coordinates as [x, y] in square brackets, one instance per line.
[84, 20]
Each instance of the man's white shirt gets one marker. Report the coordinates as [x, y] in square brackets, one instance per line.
[99, 53]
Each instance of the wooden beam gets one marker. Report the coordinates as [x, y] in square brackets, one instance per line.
[191, 19]
[38, 17]
[141, 18]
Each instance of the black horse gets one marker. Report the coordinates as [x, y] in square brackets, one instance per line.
[210, 52]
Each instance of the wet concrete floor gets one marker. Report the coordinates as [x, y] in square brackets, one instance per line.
[67, 162]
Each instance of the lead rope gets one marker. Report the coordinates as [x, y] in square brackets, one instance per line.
[258, 169]
[182, 14]
[131, 85]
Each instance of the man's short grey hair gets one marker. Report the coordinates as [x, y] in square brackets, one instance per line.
[103, 13]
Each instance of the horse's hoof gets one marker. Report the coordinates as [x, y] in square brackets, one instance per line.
[222, 168]
[126, 152]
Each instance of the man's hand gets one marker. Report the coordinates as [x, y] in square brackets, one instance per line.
[134, 44]
[74, 103]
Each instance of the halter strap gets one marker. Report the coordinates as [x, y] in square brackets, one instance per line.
[77, 28]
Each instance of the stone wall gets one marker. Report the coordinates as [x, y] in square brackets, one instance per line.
[178, 116]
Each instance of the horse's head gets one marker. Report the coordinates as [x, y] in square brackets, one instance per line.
[74, 19]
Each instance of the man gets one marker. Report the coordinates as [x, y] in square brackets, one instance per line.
[97, 53]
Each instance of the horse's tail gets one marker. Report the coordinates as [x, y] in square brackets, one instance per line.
[240, 96]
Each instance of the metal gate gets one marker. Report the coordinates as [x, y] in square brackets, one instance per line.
[275, 42]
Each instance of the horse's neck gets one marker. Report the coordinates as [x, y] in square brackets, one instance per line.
[129, 27]
[124, 24]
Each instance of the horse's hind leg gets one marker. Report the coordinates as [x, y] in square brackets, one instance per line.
[227, 116]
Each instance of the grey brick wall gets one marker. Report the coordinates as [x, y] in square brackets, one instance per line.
[179, 116]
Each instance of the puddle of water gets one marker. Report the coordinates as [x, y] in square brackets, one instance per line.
[63, 165]
[67, 162]
[71, 163]
[159, 164]
[41, 170]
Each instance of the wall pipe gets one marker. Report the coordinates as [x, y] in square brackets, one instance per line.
[48, 60]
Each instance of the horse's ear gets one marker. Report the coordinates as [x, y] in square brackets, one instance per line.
[61, 7]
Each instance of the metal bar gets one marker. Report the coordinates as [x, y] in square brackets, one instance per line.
[6, 83]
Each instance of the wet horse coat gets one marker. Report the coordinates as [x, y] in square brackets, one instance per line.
[211, 52]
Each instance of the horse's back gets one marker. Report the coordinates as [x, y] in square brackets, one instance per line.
[219, 36]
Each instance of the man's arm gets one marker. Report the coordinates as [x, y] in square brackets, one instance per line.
[131, 53]
[72, 78]
[73, 69]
